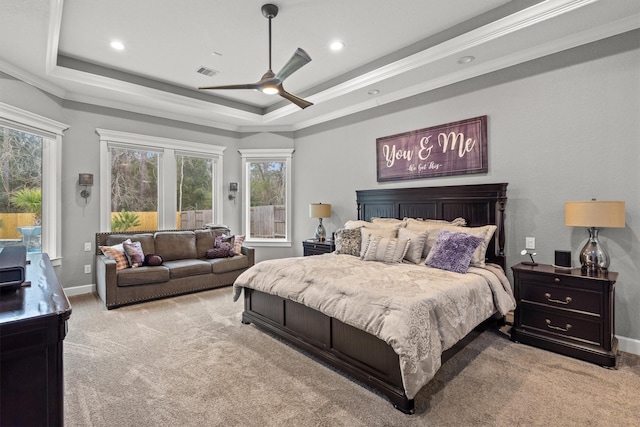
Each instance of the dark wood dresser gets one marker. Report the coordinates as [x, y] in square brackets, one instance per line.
[33, 324]
[566, 311]
[315, 247]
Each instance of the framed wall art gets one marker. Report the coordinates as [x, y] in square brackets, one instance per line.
[457, 148]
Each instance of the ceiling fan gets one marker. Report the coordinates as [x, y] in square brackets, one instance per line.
[271, 83]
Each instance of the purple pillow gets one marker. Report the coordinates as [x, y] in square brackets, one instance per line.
[225, 241]
[134, 253]
[221, 252]
[152, 260]
[453, 251]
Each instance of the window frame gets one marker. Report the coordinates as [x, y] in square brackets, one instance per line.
[51, 132]
[167, 186]
[269, 155]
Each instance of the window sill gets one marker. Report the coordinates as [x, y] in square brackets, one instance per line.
[266, 244]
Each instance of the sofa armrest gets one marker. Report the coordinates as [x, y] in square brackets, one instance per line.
[106, 280]
[250, 253]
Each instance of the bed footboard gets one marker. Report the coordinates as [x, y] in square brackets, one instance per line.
[352, 351]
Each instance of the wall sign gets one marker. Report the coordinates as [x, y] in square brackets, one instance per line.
[457, 148]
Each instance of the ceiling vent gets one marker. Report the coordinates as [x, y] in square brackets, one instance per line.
[207, 71]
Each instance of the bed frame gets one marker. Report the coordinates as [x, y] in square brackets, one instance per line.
[356, 353]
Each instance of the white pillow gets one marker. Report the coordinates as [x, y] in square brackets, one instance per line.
[385, 249]
[389, 221]
[416, 244]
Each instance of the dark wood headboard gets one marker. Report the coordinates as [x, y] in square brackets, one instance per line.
[480, 204]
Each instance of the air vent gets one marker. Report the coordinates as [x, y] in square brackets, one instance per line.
[207, 71]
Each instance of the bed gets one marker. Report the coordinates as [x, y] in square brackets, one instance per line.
[378, 323]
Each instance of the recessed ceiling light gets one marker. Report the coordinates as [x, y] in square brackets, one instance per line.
[373, 92]
[117, 45]
[336, 45]
[466, 59]
[216, 54]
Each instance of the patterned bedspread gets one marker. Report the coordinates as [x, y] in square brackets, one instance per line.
[419, 311]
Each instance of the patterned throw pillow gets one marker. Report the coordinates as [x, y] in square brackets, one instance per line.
[385, 249]
[348, 241]
[453, 251]
[116, 253]
[237, 246]
[134, 253]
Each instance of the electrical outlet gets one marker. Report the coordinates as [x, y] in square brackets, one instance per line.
[87, 246]
[87, 269]
[529, 242]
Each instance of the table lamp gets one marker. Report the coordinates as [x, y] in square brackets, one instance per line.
[594, 214]
[320, 210]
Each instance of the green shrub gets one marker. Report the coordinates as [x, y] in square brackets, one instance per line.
[124, 221]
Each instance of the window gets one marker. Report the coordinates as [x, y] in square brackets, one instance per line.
[194, 191]
[149, 183]
[134, 189]
[30, 195]
[267, 207]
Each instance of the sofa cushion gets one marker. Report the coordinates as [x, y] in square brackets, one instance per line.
[224, 265]
[205, 240]
[187, 267]
[143, 275]
[146, 241]
[173, 245]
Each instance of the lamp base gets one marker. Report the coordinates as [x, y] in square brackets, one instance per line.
[593, 258]
[321, 233]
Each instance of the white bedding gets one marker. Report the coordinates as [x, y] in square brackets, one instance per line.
[418, 310]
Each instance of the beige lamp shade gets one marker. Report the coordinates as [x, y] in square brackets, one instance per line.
[594, 213]
[319, 210]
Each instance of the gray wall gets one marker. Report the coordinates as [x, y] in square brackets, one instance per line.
[560, 128]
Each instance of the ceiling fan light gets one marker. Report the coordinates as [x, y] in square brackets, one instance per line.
[270, 90]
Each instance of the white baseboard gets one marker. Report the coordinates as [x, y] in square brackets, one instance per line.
[629, 345]
[79, 290]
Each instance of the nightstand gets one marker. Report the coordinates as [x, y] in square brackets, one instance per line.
[315, 247]
[566, 311]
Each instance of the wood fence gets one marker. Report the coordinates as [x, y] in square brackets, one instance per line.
[11, 222]
[268, 222]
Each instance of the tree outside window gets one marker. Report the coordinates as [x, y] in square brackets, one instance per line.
[21, 189]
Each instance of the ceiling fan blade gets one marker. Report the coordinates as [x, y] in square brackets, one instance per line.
[297, 61]
[240, 86]
[298, 101]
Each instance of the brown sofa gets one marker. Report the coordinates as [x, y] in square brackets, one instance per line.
[185, 267]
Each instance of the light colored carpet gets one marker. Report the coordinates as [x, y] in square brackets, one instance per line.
[188, 361]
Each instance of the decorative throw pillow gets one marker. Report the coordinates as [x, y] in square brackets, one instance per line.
[417, 241]
[237, 245]
[367, 233]
[116, 253]
[152, 260]
[385, 249]
[348, 241]
[134, 253]
[221, 252]
[452, 251]
[225, 241]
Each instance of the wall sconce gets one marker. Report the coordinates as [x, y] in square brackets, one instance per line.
[320, 210]
[233, 189]
[86, 180]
